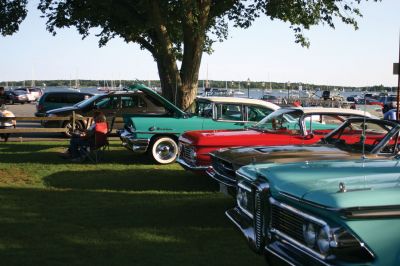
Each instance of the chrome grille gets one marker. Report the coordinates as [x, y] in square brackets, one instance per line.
[258, 221]
[223, 167]
[287, 222]
[185, 151]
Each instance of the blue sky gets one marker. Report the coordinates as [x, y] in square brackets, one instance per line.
[264, 52]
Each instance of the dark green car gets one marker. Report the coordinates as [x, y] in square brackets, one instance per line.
[57, 99]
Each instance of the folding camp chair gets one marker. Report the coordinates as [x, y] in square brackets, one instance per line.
[100, 145]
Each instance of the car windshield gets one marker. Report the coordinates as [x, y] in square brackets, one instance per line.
[282, 119]
[19, 92]
[200, 108]
[89, 101]
[359, 136]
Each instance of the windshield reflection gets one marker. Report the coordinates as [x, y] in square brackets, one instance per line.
[282, 119]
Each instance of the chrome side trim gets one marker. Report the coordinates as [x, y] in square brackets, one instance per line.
[294, 198]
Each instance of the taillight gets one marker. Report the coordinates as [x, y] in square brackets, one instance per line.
[39, 107]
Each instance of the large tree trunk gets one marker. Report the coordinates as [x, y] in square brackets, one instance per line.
[181, 87]
[168, 84]
[194, 28]
[164, 55]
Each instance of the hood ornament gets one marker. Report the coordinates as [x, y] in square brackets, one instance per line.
[342, 187]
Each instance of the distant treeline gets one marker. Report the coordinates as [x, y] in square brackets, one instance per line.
[211, 83]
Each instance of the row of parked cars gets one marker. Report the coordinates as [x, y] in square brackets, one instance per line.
[22, 95]
[312, 186]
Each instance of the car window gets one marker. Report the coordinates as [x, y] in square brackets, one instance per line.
[155, 101]
[204, 109]
[132, 101]
[281, 120]
[74, 98]
[111, 102]
[56, 98]
[322, 124]
[256, 113]
[231, 112]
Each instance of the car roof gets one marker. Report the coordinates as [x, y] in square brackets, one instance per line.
[73, 92]
[239, 100]
[330, 110]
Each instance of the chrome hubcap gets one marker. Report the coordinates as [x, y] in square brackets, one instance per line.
[165, 151]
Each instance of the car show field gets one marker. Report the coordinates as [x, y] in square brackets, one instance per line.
[122, 211]
[124, 207]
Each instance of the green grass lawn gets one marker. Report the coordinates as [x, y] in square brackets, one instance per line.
[122, 211]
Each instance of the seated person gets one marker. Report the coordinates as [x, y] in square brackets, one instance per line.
[390, 115]
[94, 137]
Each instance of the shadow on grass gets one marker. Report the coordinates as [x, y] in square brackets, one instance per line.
[49, 154]
[30, 147]
[131, 180]
[54, 227]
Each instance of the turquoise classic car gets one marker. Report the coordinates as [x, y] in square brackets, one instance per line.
[157, 134]
[321, 213]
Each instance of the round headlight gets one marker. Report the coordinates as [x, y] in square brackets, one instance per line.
[323, 240]
[193, 154]
[309, 234]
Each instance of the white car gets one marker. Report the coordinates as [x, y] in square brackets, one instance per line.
[29, 94]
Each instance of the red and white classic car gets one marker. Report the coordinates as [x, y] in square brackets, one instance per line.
[286, 126]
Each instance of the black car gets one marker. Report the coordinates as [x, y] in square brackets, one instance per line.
[114, 104]
[16, 96]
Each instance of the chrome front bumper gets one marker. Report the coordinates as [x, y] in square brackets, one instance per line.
[276, 249]
[130, 142]
[187, 166]
[244, 224]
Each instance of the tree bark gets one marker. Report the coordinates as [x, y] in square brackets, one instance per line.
[194, 28]
[164, 55]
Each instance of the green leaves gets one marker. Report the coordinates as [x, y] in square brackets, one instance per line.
[12, 13]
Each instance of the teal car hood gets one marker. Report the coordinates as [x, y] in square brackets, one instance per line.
[367, 183]
[170, 106]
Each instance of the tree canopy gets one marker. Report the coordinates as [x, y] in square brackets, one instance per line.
[176, 31]
[12, 13]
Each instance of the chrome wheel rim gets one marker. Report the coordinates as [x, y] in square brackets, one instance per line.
[165, 151]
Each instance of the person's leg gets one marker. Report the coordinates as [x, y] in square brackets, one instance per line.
[75, 145]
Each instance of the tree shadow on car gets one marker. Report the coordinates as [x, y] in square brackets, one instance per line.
[131, 180]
